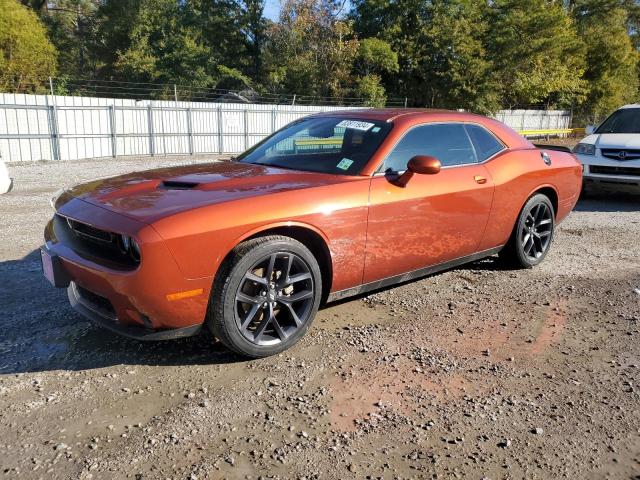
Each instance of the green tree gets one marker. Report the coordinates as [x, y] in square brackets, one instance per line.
[114, 24]
[538, 56]
[310, 51]
[376, 55]
[26, 55]
[71, 25]
[460, 73]
[371, 90]
[165, 48]
[402, 24]
[612, 60]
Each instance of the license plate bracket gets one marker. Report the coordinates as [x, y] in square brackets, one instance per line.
[53, 270]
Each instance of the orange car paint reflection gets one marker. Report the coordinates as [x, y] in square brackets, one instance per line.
[372, 228]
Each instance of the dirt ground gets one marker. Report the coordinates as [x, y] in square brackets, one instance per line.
[479, 372]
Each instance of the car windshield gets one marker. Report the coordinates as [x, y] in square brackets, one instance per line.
[626, 120]
[334, 145]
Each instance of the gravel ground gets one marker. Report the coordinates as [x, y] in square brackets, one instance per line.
[478, 372]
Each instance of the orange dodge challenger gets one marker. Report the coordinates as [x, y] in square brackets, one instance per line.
[330, 206]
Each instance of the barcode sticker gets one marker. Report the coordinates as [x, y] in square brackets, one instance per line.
[355, 125]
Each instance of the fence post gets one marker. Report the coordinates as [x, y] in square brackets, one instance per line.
[405, 102]
[293, 102]
[175, 93]
[273, 120]
[53, 124]
[152, 147]
[189, 131]
[114, 139]
[220, 139]
[246, 127]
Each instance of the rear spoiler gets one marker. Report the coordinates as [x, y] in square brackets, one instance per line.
[557, 148]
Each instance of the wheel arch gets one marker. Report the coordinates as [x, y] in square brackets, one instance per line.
[551, 193]
[309, 236]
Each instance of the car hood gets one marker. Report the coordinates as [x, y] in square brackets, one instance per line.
[614, 140]
[150, 195]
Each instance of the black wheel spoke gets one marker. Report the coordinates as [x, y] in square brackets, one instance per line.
[546, 221]
[276, 326]
[264, 323]
[289, 264]
[300, 277]
[250, 315]
[537, 246]
[293, 314]
[528, 246]
[544, 234]
[243, 297]
[254, 278]
[272, 262]
[296, 297]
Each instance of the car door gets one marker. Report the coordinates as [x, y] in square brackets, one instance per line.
[433, 218]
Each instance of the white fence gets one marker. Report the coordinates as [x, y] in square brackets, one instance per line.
[42, 127]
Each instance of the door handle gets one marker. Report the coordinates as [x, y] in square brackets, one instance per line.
[480, 179]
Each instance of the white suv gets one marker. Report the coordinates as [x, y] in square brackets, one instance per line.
[610, 154]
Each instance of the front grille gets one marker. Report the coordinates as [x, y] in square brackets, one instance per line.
[621, 154]
[93, 243]
[91, 233]
[623, 171]
[96, 302]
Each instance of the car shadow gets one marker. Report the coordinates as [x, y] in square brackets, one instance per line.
[600, 200]
[41, 332]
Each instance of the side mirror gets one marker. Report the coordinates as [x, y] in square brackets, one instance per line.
[424, 165]
[589, 129]
[420, 164]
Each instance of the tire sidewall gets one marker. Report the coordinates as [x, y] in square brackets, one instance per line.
[522, 257]
[238, 342]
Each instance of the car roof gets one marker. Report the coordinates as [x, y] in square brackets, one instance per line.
[631, 105]
[390, 114]
[408, 117]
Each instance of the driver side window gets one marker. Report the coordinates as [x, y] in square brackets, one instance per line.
[448, 142]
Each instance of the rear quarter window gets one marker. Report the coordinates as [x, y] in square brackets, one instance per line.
[484, 142]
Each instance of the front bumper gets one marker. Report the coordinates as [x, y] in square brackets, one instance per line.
[608, 172]
[91, 311]
[135, 302]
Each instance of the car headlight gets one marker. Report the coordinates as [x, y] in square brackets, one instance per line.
[585, 149]
[129, 246]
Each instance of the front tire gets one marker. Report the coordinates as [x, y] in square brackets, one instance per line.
[265, 296]
[532, 234]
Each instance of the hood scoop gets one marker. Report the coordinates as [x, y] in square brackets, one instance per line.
[178, 185]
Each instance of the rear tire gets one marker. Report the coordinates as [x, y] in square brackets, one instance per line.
[265, 296]
[532, 234]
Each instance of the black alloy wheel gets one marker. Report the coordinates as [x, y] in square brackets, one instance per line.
[274, 298]
[536, 231]
[265, 296]
[532, 234]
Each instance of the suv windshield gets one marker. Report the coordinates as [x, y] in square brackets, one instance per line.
[335, 145]
[626, 120]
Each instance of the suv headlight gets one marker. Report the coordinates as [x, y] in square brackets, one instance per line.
[585, 149]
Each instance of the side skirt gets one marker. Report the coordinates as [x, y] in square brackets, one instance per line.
[405, 277]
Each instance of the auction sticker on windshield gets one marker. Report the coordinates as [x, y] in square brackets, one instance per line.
[344, 164]
[355, 125]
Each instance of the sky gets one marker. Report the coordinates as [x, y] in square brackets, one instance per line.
[271, 9]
